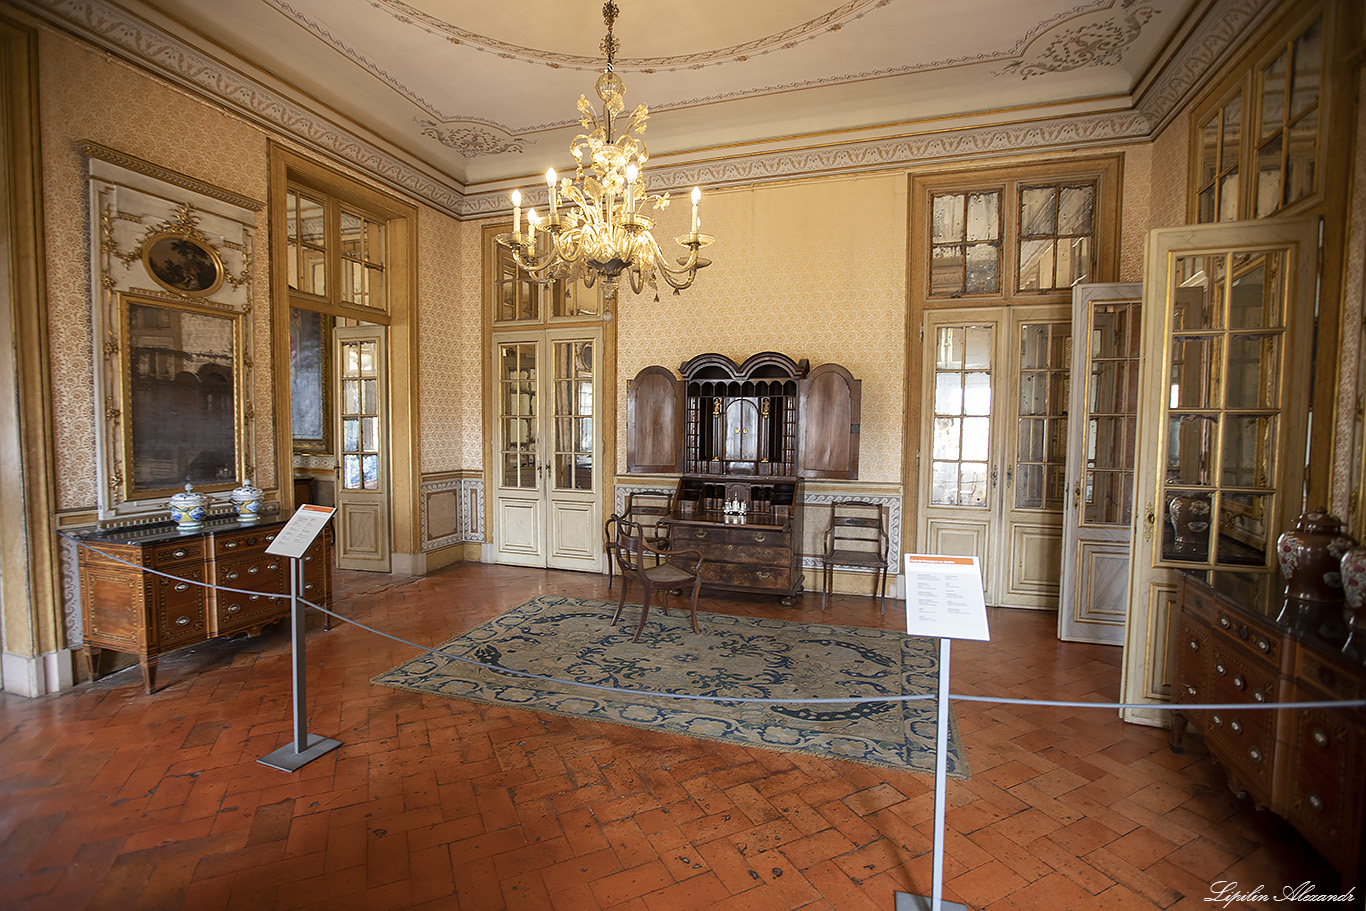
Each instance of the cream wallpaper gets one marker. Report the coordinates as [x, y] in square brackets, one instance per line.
[812, 269]
[449, 343]
[86, 95]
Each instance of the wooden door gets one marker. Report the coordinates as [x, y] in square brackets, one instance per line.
[547, 490]
[1100, 462]
[362, 441]
[993, 445]
[829, 424]
[1228, 319]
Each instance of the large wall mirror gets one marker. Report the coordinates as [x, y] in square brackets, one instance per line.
[183, 409]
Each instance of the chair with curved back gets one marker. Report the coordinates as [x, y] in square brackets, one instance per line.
[671, 570]
[647, 508]
[857, 538]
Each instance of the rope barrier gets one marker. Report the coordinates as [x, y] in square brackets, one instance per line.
[693, 697]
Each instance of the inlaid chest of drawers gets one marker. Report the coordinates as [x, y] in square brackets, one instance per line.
[148, 614]
[1303, 764]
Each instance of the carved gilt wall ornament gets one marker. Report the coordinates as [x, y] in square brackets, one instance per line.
[471, 140]
[1099, 43]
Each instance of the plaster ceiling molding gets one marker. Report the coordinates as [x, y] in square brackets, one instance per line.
[1099, 42]
[134, 39]
[472, 141]
[1213, 41]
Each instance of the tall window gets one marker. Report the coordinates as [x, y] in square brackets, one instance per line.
[1267, 125]
[334, 253]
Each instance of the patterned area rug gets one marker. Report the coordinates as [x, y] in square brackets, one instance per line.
[571, 639]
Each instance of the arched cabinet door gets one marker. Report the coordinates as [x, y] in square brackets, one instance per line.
[829, 424]
[654, 422]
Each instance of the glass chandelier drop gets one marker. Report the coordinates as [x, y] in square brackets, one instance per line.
[600, 233]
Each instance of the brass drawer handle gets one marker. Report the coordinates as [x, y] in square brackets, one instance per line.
[308, 558]
[1190, 690]
[700, 533]
[178, 552]
[234, 608]
[1320, 737]
[182, 621]
[1195, 646]
[1217, 720]
[270, 537]
[307, 586]
[1238, 682]
[1255, 753]
[1236, 726]
[1224, 622]
[253, 597]
[272, 566]
[759, 539]
[253, 570]
[182, 586]
[1259, 696]
[764, 575]
[232, 576]
[1316, 802]
[230, 545]
[1219, 669]
[1263, 644]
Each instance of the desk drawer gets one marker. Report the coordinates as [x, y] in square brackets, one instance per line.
[187, 551]
[693, 535]
[775, 578]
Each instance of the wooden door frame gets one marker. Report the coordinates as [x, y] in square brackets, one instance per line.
[612, 397]
[400, 218]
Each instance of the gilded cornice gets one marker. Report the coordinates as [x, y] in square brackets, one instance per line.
[135, 39]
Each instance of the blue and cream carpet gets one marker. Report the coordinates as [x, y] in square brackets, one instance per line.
[582, 665]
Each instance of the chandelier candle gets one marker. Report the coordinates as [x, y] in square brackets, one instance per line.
[601, 233]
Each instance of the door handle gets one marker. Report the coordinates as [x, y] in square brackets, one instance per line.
[1076, 495]
[1148, 521]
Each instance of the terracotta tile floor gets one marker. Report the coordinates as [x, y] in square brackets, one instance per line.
[117, 800]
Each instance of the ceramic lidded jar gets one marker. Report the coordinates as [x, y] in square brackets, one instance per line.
[1310, 555]
[189, 508]
[248, 500]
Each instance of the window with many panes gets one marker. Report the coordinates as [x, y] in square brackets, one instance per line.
[1024, 237]
[1267, 126]
[333, 252]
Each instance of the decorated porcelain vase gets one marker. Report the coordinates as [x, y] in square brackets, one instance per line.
[189, 508]
[1310, 555]
[248, 500]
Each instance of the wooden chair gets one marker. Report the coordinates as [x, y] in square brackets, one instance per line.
[857, 537]
[648, 508]
[671, 570]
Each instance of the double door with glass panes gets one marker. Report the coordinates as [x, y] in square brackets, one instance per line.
[993, 445]
[548, 463]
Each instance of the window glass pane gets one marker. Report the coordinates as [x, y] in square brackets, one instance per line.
[944, 490]
[1036, 265]
[948, 393]
[1233, 131]
[1302, 157]
[983, 269]
[1228, 197]
[1256, 294]
[946, 270]
[1196, 372]
[312, 272]
[1208, 166]
[984, 216]
[1191, 439]
[370, 434]
[946, 219]
[351, 234]
[950, 348]
[374, 243]
[369, 466]
[351, 472]
[1075, 206]
[977, 393]
[1038, 212]
[1268, 178]
[1273, 97]
[1243, 535]
[977, 349]
[1186, 527]
[976, 438]
[947, 438]
[972, 484]
[1249, 450]
[351, 435]
[1304, 81]
[310, 217]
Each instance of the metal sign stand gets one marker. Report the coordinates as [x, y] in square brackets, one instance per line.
[306, 747]
[935, 900]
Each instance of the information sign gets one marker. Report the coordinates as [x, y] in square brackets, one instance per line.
[944, 597]
[300, 531]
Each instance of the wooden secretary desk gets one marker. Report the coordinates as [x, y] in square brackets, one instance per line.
[750, 433]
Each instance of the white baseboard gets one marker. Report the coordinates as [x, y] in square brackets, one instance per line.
[48, 673]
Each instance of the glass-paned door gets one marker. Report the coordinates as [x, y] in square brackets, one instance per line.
[1100, 464]
[362, 449]
[994, 434]
[1223, 419]
[548, 392]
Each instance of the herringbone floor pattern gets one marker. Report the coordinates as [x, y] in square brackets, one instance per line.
[117, 800]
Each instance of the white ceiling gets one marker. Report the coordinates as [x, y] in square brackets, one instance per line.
[466, 99]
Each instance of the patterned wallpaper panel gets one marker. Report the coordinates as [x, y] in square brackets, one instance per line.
[449, 343]
[814, 270]
[84, 95]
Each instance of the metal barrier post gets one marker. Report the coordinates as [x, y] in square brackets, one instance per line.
[306, 747]
[935, 900]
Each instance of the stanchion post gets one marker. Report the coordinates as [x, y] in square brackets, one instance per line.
[306, 747]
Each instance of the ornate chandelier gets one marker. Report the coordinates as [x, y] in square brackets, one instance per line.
[601, 233]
